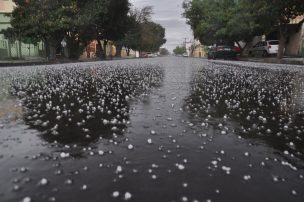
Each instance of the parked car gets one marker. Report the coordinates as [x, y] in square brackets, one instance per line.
[151, 55]
[223, 52]
[265, 48]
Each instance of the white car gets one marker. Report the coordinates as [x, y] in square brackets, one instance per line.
[265, 48]
[151, 55]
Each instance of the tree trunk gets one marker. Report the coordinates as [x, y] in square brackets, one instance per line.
[282, 41]
[128, 51]
[99, 52]
[47, 50]
[50, 51]
[118, 50]
[105, 43]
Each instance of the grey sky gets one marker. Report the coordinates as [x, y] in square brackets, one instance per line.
[168, 13]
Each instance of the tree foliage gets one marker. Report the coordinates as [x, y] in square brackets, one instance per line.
[152, 36]
[143, 34]
[180, 50]
[164, 51]
[76, 21]
[239, 20]
[226, 20]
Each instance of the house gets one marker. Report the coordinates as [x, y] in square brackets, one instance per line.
[294, 45]
[90, 52]
[295, 42]
[197, 50]
[15, 49]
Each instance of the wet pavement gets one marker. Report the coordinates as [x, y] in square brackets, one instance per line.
[163, 129]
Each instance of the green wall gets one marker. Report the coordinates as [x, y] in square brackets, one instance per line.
[4, 21]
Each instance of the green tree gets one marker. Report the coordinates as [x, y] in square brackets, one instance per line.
[109, 21]
[240, 20]
[143, 34]
[152, 36]
[226, 20]
[164, 51]
[180, 50]
[49, 21]
[76, 21]
[132, 38]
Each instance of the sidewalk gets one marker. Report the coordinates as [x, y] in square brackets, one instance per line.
[285, 60]
[23, 62]
[43, 61]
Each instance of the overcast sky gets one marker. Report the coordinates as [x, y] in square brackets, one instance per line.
[168, 13]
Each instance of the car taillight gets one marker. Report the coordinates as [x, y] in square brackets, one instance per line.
[237, 49]
[269, 46]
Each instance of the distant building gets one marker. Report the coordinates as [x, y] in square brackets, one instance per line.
[295, 42]
[132, 54]
[90, 52]
[6, 7]
[197, 50]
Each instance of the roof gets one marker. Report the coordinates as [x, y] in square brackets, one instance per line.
[6, 6]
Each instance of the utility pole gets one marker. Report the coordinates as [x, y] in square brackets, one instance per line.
[185, 44]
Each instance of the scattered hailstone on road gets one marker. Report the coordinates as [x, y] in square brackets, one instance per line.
[226, 169]
[184, 199]
[153, 132]
[127, 196]
[43, 182]
[130, 147]
[247, 177]
[100, 152]
[64, 155]
[26, 199]
[149, 141]
[23, 170]
[275, 178]
[294, 192]
[180, 166]
[118, 169]
[115, 194]
[84, 187]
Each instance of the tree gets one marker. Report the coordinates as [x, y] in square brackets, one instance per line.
[143, 34]
[164, 51]
[240, 20]
[132, 38]
[108, 21]
[76, 21]
[225, 20]
[180, 50]
[152, 36]
[49, 21]
[282, 12]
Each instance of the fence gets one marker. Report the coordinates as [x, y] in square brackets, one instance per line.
[19, 50]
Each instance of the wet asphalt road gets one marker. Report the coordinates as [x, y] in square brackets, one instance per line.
[163, 129]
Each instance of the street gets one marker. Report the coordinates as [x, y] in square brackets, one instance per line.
[162, 129]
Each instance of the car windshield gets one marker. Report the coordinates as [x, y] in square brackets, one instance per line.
[274, 42]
